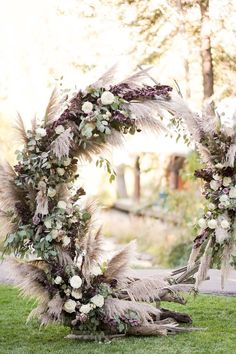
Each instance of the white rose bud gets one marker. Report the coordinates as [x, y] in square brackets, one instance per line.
[215, 185]
[211, 206]
[59, 129]
[54, 234]
[48, 223]
[224, 198]
[107, 98]
[77, 294]
[69, 306]
[96, 270]
[66, 241]
[61, 204]
[217, 177]
[232, 192]
[41, 131]
[75, 282]
[58, 280]
[87, 107]
[60, 171]
[51, 192]
[226, 181]
[212, 224]
[86, 308]
[97, 300]
[202, 223]
[58, 225]
[67, 161]
[221, 234]
[219, 165]
[225, 224]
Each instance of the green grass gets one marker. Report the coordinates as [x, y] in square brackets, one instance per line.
[216, 313]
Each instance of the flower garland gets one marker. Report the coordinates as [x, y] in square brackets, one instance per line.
[46, 217]
[43, 215]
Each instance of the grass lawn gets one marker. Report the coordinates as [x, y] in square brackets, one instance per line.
[216, 313]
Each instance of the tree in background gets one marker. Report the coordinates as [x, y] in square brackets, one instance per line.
[205, 30]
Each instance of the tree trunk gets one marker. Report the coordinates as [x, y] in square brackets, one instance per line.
[206, 55]
[121, 185]
[137, 185]
[185, 52]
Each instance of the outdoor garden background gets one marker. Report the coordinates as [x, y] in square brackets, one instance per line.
[154, 197]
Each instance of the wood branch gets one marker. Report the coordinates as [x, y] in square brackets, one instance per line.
[178, 316]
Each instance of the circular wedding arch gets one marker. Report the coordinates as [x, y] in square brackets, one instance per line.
[42, 213]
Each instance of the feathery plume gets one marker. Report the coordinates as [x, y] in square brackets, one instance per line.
[61, 145]
[20, 129]
[231, 154]
[53, 108]
[119, 265]
[204, 265]
[144, 311]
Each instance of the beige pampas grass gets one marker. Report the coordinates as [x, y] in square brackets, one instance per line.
[53, 109]
[28, 278]
[21, 130]
[204, 265]
[118, 266]
[146, 289]
[61, 145]
[145, 312]
[231, 154]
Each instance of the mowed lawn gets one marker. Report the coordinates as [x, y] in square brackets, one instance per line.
[217, 314]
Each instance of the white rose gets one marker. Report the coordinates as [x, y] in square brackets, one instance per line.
[202, 223]
[224, 198]
[77, 294]
[97, 300]
[60, 171]
[221, 234]
[211, 206]
[59, 129]
[212, 224]
[58, 280]
[48, 223]
[225, 224]
[51, 192]
[54, 234]
[96, 270]
[215, 185]
[232, 192]
[41, 131]
[61, 204]
[219, 165]
[226, 181]
[67, 292]
[66, 241]
[86, 308]
[69, 306]
[75, 282]
[217, 177]
[67, 161]
[58, 225]
[107, 98]
[87, 107]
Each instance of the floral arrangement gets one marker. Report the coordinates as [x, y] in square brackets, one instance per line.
[217, 225]
[43, 215]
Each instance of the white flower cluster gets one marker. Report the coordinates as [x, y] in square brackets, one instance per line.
[71, 304]
[216, 218]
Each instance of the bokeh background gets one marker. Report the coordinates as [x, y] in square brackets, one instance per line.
[191, 46]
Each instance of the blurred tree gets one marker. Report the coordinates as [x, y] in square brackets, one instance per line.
[204, 28]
